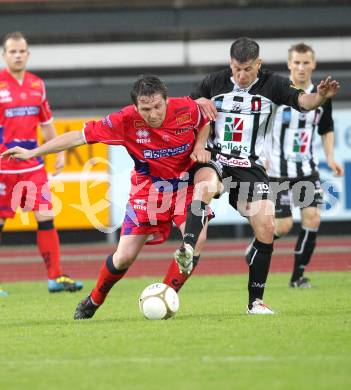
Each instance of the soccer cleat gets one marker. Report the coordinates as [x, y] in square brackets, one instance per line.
[258, 307]
[85, 309]
[301, 283]
[3, 293]
[184, 258]
[64, 283]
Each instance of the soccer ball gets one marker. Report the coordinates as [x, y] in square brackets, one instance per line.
[158, 302]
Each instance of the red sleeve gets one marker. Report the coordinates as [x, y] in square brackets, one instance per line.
[200, 120]
[45, 114]
[109, 130]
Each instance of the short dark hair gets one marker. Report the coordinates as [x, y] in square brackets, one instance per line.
[148, 85]
[16, 35]
[301, 48]
[244, 49]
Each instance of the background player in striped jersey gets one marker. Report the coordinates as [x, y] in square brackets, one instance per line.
[243, 101]
[292, 161]
[159, 134]
[24, 106]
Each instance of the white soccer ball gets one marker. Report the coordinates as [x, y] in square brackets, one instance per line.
[158, 302]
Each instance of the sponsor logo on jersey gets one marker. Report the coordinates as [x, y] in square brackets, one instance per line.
[183, 118]
[233, 128]
[21, 111]
[143, 136]
[183, 130]
[233, 162]
[167, 152]
[300, 142]
[230, 146]
[241, 90]
[142, 133]
[107, 121]
[139, 124]
[3, 84]
[36, 84]
[5, 96]
[140, 204]
[236, 106]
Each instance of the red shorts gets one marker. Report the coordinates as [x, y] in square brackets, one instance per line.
[153, 212]
[29, 190]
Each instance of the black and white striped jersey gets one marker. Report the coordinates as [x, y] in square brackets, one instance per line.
[245, 114]
[291, 149]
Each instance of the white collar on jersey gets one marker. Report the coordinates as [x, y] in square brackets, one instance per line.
[236, 87]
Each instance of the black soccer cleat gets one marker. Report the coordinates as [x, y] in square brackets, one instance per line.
[85, 309]
[301, 283]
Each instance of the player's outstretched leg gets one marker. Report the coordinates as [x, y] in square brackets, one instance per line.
[109, 275]
[85, 309]
[176, 279]
[184, 258]
[197, 217]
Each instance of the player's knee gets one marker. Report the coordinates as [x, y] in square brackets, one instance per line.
[265, 230]
[313, 223]
[123, 261]
[283, 228]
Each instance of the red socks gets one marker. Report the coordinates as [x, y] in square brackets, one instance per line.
[174, 278]
[109, 275]
[49, 248]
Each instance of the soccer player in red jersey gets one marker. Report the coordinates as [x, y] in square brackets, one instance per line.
[159, 134]
[24, 106]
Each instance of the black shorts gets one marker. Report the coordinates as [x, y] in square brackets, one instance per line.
[247, 184]
[299, 192]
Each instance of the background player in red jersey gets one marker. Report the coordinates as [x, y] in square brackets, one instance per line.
[159, 134]
[24, 106]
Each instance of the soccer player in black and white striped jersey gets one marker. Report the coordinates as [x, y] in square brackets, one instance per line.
[242, 105]
[293, 163]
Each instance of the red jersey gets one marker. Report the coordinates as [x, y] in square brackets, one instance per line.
[22, 108]
[158, 153]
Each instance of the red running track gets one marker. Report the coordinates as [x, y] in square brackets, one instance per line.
[219, 257]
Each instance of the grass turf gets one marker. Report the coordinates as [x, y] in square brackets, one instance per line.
[210, 344]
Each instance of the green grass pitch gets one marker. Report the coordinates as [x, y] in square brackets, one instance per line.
[210, 344]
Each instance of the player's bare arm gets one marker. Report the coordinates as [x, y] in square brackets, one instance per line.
[55, 145]
[328, 146]
[207, 108]
[49, 133]
[200, 154]
[327, 88]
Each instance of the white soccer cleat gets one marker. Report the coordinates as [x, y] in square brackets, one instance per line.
[184, 258]
[258, 307]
